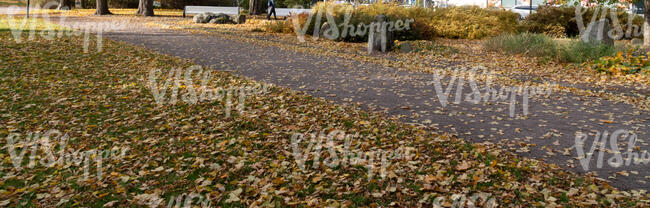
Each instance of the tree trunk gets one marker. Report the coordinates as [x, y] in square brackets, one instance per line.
[65, 5]
[259, 7]
[646, 23]
[102, 7]
[145, 8]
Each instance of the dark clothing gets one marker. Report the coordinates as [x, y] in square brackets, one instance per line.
[271, 9]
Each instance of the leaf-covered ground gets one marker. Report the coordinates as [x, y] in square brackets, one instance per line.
[445, 55]
[103, 101]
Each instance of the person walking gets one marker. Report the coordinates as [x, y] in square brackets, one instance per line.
[271, 9]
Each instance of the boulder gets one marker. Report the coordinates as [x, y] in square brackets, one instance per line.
[209, 17]
[220, 18]
[325, 31]
[379, 38]
[200, 18]
[598, 32]
[239, 19]
[637, 41]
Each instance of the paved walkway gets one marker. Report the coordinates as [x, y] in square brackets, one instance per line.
[551, 124]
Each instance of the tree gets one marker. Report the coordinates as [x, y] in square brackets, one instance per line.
[646, 23]
[145, 8]
[257, 7]
[65, 4]
[102, 7]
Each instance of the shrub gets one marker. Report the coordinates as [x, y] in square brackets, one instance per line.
[549, 17]
[525, 43]
[473, 22]
[281, 26]
[455, 22]
[579, 52]
[628, 63]
[363, 16]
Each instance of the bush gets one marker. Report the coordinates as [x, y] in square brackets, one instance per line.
[468, 22]
[579, 52]
[363, 16]
[280, 26]
[552, 18]
[526, 43]
[473, 22]
[629, 63]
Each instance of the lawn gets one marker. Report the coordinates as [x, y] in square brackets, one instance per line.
[13, 3]
[236, 157]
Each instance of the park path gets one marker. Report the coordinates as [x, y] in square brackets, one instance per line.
[550, 126]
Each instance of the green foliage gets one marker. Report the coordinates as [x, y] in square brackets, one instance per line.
[579, 52]
[540, 45]
[525, 43]
[549, 16]
[629, 63]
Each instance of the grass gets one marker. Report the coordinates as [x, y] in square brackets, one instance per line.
[526, 43]
[539, 45]
[577, 51]
[13, 3]
[103, 101]
[86, 12]
[19, 24]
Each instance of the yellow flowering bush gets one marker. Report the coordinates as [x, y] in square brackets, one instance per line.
[465, 22]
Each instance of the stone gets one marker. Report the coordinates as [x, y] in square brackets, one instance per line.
[325, 31]
[598, 32]
[199, 18]
[637, 41]
[209, 17]
[405, 47]
[239, 19]
[379, 38]
[324, 28]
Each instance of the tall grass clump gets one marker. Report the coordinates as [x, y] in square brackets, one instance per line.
[525, 43]
[540, 45]
[578, 51]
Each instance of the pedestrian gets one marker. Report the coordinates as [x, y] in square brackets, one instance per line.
[271, 9]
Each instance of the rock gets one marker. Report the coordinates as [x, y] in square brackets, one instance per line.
[379, 38]
[209, 17]
[239, 19]
[405, 47]
[597, 32]
[637, 41]
[326, 33]
[220, 18]
[200, 18]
